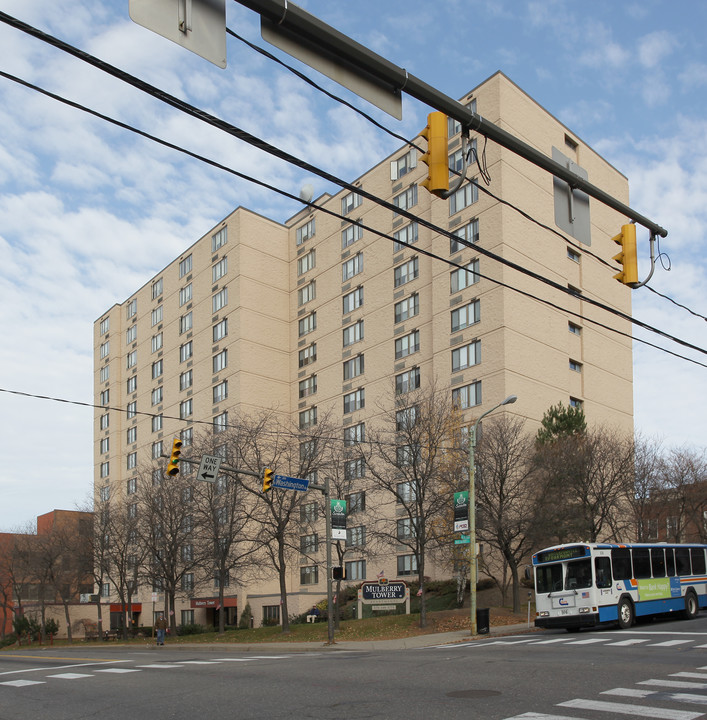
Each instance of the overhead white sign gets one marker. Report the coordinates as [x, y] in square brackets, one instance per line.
[208, 468]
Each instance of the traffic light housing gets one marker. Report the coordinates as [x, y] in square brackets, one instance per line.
[268, 476]
[437, 156]
[173, 466]
[628, 257]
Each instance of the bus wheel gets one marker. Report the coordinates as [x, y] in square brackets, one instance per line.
[691, 606]
[625, 613]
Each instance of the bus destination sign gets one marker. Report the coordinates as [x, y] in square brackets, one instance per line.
[567, 553]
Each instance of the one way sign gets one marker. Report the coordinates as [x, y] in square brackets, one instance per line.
[208, 468]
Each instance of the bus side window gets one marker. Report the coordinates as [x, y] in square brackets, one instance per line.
[641, 563]
[621, 562]
[669, 562]
[682, 561]
[698, 561]
[602, 570]
[658, 562]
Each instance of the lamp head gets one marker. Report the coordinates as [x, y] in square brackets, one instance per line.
[510, 400]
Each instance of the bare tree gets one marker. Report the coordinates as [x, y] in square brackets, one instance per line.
[407, 460]
[684, 481]
[506, 494]
[647, 464]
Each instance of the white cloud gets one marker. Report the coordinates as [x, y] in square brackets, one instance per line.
[655, 47]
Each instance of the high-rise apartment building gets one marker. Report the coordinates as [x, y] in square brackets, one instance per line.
[317, 314]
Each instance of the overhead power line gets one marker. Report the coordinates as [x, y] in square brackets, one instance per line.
[253, 140]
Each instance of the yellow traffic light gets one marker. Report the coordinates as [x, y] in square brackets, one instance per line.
[268, 475]
[173, 466]
[436, 157]
[628, 257]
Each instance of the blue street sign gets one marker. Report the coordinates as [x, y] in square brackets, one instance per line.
[290, 483]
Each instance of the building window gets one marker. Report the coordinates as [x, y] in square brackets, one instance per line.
[464, 277]
[407, 235]
[354, 434]
[353, 300]
[104, 397]
[406, 272]
[307, 355]
[187, 436]
[185, 323]
[309, 513]
[466, 195]
[187, 616]
[350, 235]
[157, 450]
[466, 356]
[188, 582]
[356, 502]
[131, 435]
[185, 408]
[104, 421]
[185, 266]
[355, 400]
[406, 529]
[156, 315]
[131, 334]
[157, 288]
[219, 269]
[307, 324]
[306, 262]
[220, 392]
[406, 199]
[349, 202]
[309, 575]
[356, 536]
[466, 315]
[104, 326]
[131, 309]
[220, 423]
[156, 423]
[156, 343]
[105, 469]
[157, 369]
[105, 589]
[453, 126]
[355, 570]
[469, 233]
[306, 293]
[407, 455]
[157, 395]
[407, 308]
[219, 239]
[185, 351]
[353, 367]
[308, 386]
[467, 396]
[308, 418]
[220, 330]
[354, 469]
[131, 359]
[353, 266]
[131, 463]
[219, 300]
[220, 361]
[271, 614]
[104, 373]
[406, 418]
[131, 410]
[353, 333]
[574, 329]
[131, 486]
[576, 366]
[403, 165]
[104, 446]
[184, 295]
[226, 580]
[407, 381]
[131, 385]
[407, 565]
[573, 255]
[306, 231]
[309, 543]
[104, 349]
[407, 345]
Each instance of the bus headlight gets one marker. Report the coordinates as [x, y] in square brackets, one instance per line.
[544, 613]
[584, 610]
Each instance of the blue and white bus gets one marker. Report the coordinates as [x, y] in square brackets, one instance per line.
[584, 584]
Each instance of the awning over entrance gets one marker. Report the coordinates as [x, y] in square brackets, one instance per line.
[213, 602]
[117, 607]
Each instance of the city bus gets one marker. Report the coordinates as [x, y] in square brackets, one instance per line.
[586, 584]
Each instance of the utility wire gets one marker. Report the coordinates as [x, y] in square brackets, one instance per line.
[411, 144]
[360, 224]
[289, 158]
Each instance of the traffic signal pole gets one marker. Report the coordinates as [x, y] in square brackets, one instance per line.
[310, 33]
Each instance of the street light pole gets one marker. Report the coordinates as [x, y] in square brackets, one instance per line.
[472, 509]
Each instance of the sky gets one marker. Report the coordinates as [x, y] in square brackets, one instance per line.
[89, 212]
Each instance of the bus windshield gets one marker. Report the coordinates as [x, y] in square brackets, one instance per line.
[549, 578]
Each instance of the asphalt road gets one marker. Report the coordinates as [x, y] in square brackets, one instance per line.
[656, 670]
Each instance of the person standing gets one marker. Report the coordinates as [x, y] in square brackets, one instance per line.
[160, 626]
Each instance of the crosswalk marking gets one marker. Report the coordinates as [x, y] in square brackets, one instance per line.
[542, 716]
[69, 676]
[22, 683]
[669, 643]
[624, 709]
[676, 684]
[199, 662]
[658, 695]
[588, 641]
[697, 676]
[161, 666]
[630, 641]
[117, 671]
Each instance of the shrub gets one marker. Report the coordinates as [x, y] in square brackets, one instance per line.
[246, 618]
[191, 629]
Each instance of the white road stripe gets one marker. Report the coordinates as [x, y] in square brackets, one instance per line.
[199, 662]
[23, 683]
[555, 640]
[669, 643]
[542, 716]
[588, 641]
[698, 676]
[640, 710]
[675, 684]
[69, 676]
[61, 667]
[630, 641]
[116, 670]
[161, 666]
[658, 695]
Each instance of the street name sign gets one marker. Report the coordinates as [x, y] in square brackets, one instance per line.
[209, 467]
[285, 482]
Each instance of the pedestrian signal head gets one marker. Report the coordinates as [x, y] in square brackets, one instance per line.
[268, 476]
[173, 466]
